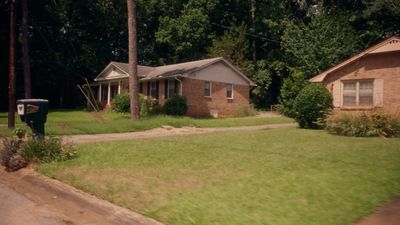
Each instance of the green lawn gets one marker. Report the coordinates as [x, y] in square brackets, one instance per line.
[64, 122]
[276, 177]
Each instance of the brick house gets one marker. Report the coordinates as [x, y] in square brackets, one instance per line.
[212, 86]
[367, 81]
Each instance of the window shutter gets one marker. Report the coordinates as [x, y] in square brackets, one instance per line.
[337, 94]
[378, 92]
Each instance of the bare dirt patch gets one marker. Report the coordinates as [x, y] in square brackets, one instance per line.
[169, 131]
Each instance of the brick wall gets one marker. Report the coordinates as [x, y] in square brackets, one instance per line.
[384, 66]
[199, 105]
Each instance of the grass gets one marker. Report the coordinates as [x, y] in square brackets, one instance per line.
[276, 177]
[65, 122]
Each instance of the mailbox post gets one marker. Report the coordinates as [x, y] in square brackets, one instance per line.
[33, 112]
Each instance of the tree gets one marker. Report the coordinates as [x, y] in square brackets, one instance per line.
[187, 36]
[133, 78]
[291, 87]
[11, 84]
[25, 49]
[233, 46]
[324, 42]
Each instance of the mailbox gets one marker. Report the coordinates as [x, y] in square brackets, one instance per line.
[33, 112]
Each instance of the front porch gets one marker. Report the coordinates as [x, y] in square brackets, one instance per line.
[160, 90]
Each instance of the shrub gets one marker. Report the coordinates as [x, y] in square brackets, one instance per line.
[177, 106]
[363, 124]
[17, 153]
[244, 111]
[311, 106]
[121, 103]
[291, 87]
[47, 150]
[12, 154]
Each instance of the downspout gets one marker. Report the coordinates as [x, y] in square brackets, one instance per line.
[176, 78]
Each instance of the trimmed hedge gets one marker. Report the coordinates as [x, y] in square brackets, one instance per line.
[311, 106]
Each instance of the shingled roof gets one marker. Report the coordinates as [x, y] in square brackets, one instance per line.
[388, 45]
[173, 70]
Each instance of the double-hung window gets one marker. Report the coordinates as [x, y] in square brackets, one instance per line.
[154, 89]
[229, 91]
[170, 88]
[207, 88]
[358, 93]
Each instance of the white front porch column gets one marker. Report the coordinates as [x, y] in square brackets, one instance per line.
[119, 87]
[99, 92]
[109, 94]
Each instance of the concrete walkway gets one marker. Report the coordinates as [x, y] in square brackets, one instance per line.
[30, 198]
[167, 131]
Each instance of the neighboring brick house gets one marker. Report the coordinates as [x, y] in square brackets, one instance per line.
[212, 86]
[367, 81]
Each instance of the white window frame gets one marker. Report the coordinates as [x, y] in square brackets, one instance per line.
[205, 84]
[231, 87]
[357, 102]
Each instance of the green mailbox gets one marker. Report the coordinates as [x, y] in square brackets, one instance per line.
[34, 113]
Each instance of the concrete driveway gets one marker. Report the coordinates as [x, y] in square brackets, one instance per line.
[16, 209]
[27, 197]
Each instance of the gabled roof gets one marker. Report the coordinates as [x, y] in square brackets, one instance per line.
[173, 70]
[123, 70]
[388, 45]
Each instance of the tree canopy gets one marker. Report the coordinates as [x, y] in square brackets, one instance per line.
[73, 40]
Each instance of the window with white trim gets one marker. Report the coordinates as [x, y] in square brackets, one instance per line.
[207, 88]
[358, 93]
[229, 91]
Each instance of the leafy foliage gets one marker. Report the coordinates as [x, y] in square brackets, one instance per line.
[12, 155]
[121, 104]
[322, 43]
[17, 153]
[363, 124]
[311, 106]
[177, 106]
[290, 89]
[49, 149]
[185, 35]
[73, 40]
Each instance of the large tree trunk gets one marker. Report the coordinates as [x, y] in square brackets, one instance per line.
[133, 78]
[11, 82]
[253, 26]
[25, 50]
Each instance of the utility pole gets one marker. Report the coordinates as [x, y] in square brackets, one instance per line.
[11, 84]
